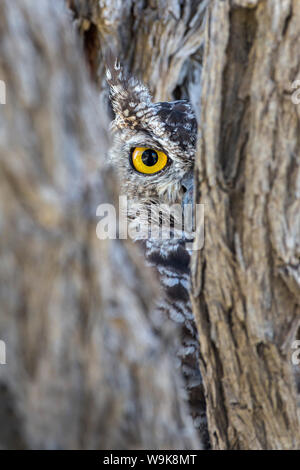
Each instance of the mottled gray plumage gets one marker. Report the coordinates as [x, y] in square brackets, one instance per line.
[170, 127]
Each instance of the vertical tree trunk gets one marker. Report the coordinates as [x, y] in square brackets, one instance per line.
[246, 280]
[87, 365]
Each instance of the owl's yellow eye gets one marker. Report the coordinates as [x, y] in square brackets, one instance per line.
[148, 161]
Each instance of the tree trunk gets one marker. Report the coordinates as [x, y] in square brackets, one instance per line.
[246, 280]
[87, 365]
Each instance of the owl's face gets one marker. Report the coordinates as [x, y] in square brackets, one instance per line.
[154, 146]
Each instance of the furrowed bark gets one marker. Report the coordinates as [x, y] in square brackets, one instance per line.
[246, 283]
[159, 42]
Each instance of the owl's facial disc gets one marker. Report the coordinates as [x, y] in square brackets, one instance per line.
[154, 143]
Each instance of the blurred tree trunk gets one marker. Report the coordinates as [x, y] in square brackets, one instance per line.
[87, 364]
[246, 280]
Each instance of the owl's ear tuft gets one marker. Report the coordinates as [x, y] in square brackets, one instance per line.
[129, 97]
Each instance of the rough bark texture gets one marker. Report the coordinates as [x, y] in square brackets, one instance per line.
[246, 280]
[87, 364]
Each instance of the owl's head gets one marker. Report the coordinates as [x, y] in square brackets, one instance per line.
[154, 146]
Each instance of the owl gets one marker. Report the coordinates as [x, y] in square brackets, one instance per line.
[153, 153]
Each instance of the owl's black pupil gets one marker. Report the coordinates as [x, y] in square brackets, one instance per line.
[149, 157]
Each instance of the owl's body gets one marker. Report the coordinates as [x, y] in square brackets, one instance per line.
[153, 152]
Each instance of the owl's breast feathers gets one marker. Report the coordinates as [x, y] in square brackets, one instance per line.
[171, 262]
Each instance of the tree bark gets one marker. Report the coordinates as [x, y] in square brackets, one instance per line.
[88, 366]
[246, 280]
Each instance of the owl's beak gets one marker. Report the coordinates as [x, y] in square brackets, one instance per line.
[187, 184]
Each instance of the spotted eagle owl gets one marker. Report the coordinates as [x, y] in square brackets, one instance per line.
[153, 152]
